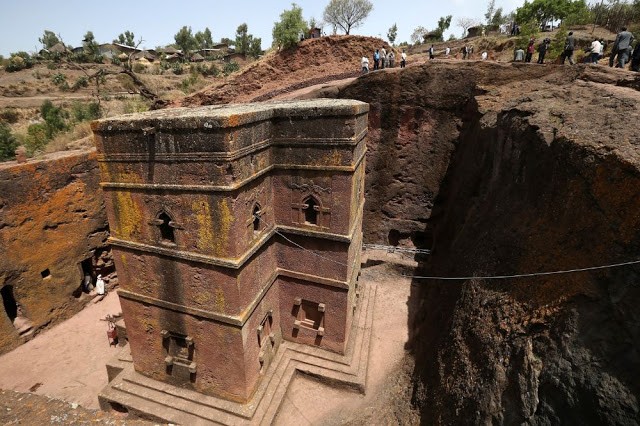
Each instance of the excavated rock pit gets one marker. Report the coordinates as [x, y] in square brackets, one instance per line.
[502, 170]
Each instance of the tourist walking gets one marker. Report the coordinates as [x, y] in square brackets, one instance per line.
[622, 46]
[595, 51]
[376, 60]
[569, 46]
[403, 59]
[431, 52]
[383, 58]
[392, 59]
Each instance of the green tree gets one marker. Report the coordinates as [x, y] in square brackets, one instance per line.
[54, 118]
[242, 39]
[204, 39]
[90, 48]
[49, 39]
[255, 46]
[286, 33]
[545, 11]
[227, 41]
[8, 142]
[392, 34]
[438, 34]
[347, 14]
[185, 40]
[491, 6]
[498, 18]
[127, 38]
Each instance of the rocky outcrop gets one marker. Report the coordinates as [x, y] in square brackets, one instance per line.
[508, 169]
[51, 220]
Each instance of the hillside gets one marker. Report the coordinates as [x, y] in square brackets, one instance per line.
[314, 61]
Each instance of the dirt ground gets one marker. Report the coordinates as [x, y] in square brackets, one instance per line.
[66, 366]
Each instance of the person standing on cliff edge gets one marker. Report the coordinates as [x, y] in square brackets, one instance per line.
[569, 46]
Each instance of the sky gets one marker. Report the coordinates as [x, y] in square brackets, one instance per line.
[22, 22]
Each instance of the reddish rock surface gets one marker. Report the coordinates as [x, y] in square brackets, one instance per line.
[51, 219]
[314, 61]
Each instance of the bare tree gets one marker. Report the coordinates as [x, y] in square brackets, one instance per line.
[465, 24]
[347, 14]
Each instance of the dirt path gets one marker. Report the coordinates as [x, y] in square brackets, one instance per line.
[66, 362]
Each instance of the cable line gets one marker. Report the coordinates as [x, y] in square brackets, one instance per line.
[487, 277]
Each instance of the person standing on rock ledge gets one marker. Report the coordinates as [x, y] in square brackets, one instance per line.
[100, 285]
[365, 64]
[403, 60]
[622, 45]
[569, 46]
[542, 50]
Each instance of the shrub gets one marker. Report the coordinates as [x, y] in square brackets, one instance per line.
[85, 111]
[135, 105]
[187, 84]
[8, 143]
[116, 61]
[80, 82]
[19, 61]
[230, 67]
[37, 138]
[54, 118]
[59, 80]
[9, 115]
[139, 68]
[177, 68]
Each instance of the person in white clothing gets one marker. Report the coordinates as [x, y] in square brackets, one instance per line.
[100, 285]
[595, 51]
[484, 55]
[403, 59]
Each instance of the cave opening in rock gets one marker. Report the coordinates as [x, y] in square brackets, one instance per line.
[9, 302]
[46, 273]
[394, 237]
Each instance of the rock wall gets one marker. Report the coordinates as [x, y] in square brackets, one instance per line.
[506, 169]
[51, 219]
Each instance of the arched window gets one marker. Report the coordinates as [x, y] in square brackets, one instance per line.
[166, 229]
[257, 220]
[310, 207]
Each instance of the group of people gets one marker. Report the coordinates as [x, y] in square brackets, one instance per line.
[621, 54]
[522, 55]
[383, 59]
[622, 50]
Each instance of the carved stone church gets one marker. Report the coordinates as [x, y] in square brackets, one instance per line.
[234, 229]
